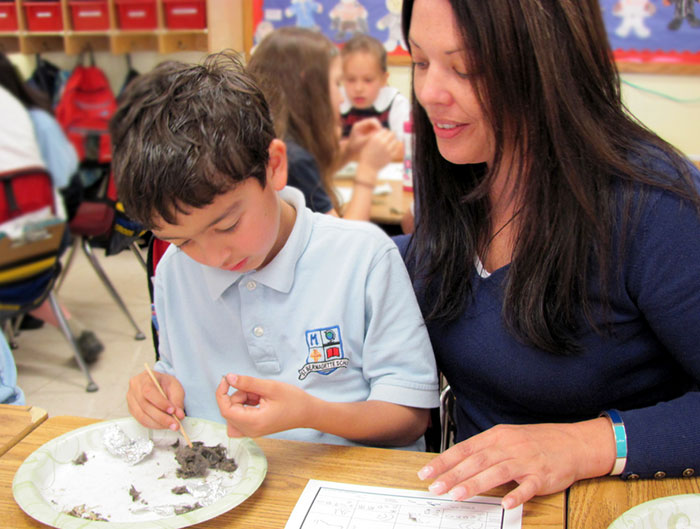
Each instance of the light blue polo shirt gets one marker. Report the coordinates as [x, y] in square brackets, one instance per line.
[333, 313]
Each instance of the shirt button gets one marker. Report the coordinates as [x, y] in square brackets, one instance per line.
[688, 472]
[258, 331]
[250, 285]
[633, 476]
[660, 475]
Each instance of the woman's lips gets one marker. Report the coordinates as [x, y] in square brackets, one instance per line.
[447, 129]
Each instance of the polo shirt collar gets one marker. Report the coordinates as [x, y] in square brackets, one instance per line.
[279, 273]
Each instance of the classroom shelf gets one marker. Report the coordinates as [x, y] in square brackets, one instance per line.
[73, 38]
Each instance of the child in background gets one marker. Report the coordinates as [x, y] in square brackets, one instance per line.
[31, 137]
[255, 286]
[300, 72]
[367, 94]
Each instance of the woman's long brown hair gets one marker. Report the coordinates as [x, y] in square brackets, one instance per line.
[549, 87]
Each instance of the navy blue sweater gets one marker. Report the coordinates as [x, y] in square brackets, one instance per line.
[649, 368]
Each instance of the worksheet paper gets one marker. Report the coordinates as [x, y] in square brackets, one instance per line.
[329, 505]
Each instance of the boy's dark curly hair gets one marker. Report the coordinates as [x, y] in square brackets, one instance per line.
[185, 133]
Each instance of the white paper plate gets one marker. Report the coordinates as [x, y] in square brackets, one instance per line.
[669, 512]
[49, 483]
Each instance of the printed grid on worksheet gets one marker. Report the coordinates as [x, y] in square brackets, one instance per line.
[346, 509]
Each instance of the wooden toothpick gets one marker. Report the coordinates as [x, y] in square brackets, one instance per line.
[182, 429]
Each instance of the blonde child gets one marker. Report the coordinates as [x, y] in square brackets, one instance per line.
[366, 92]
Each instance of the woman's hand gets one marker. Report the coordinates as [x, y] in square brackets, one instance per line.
[149, 407]
[541, 458]
[261, 407]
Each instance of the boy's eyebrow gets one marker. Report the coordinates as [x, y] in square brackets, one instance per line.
[450, 52]
[218, 219]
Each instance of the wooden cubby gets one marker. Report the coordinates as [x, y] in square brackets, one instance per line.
[225, 29]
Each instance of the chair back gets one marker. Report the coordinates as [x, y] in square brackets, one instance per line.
[25, 191]
[30, 240]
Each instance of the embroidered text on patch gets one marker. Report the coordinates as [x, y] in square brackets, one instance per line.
[325, 352]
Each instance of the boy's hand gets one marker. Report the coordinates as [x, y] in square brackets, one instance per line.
[261, 407]
[149, 407]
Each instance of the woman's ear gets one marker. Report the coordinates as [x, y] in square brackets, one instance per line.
[277, 164]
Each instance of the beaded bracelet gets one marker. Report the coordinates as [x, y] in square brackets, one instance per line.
[620, 441]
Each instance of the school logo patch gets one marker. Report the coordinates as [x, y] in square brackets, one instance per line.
[325, 352]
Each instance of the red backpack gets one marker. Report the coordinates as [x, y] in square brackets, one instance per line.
[84, 111]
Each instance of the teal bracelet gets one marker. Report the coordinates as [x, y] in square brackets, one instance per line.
[620, 441]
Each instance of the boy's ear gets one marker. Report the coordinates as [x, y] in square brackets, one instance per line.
[277, 164]
[386, 78]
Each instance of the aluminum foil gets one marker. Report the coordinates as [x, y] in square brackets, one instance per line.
[120, 445]
[201, 494]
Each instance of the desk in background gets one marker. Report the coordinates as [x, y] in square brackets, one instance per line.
[389, 208]
[16, 422]
[290, 465]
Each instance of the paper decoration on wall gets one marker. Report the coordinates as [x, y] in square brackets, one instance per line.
[653, 31]
[339, 20]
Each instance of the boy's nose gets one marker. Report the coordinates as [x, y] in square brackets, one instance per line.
[213, 254]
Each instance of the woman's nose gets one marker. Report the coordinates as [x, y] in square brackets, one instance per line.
[433, 88]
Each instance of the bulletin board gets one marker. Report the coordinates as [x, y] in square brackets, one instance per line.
[654, 36]
[339, 20]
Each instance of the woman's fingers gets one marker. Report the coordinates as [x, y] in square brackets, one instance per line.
[542, 459]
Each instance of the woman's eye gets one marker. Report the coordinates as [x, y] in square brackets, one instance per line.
[421, 65]
[462, 75]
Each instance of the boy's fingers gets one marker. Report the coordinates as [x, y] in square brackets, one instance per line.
[255, 385]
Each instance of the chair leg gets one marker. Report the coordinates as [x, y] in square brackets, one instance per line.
[108, 284]
[447, 426]
[69, 261]
[9, 332]
[135, 249]
[91, 386]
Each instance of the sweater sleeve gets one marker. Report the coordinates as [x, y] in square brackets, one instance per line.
[663, 275]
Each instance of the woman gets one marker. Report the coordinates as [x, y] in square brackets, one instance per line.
[556, 253]
[300, 71]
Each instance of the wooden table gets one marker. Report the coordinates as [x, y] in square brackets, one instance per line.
[290, 465]
[596, 503]
[16, 422]
[389, 208]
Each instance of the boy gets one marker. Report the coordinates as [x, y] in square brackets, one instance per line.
[366, 93]
[310, 318]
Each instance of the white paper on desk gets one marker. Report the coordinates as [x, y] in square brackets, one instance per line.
[391, 171]
[345, 193]
[330, 505]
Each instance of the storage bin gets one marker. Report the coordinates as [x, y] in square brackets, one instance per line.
[8, 16]
[89, 15]
[185, 14]
[43, 16]
[137, 14]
